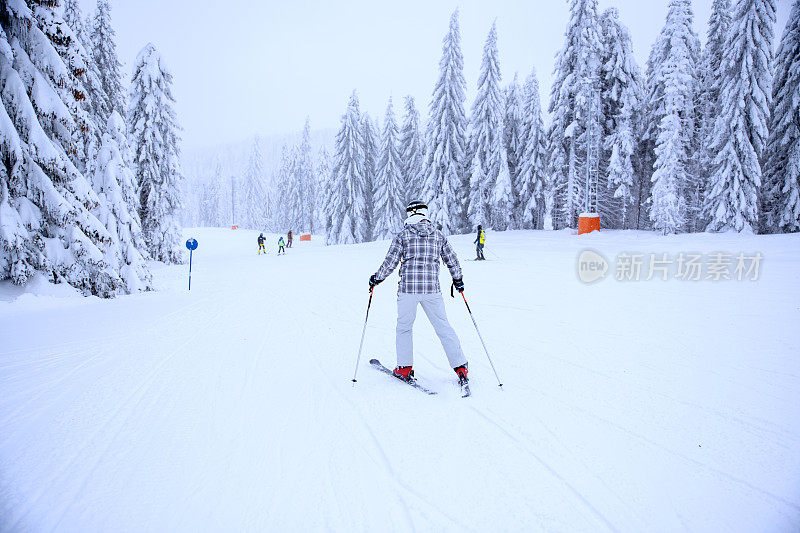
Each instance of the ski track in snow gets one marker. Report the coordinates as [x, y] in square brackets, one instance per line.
[110, 430]
[576, 493]
[651, 406]
[131, 403]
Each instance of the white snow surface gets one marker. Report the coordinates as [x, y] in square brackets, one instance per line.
[628, 406]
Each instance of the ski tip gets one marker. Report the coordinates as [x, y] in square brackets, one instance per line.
[374, 362]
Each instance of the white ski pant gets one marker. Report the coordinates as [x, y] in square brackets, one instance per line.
[433, 305]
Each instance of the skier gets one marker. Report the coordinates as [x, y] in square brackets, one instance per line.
[480, 240]
[418, 248]
[289, 239]
[261, 244]
[281, 246]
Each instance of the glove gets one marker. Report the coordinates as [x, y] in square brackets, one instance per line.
[373, 281]
[459, 284]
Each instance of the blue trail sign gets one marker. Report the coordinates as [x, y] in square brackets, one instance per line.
[191, 244]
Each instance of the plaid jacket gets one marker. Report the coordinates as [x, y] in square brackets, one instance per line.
[418, 248]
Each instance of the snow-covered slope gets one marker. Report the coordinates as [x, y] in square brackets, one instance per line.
[632, 406]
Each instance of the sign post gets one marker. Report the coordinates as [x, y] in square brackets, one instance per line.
[191, 244]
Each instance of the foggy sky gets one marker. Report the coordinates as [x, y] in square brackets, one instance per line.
[243, 67]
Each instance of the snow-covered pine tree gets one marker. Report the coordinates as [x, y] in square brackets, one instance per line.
[235, 185]
[153, 135]
[206, 203]
[191, 192]
[642, 161]
[371, 155]
[84, 138]
[782, 161]
[74, 19]
[270, 193]
[115, 185]
[412, 153]
[69, 87]
[573, 94]
[444, 173]
[647, 131]
[501, 196]
[209, 204]
[531, 180]
[46, 223]
[305, 173]
[740, 133]
[282, 179]
[348, 207]
[293, 196]
[253, 195]
[88, 22]
[489, 182]
[710, 77]
[297, 185]
[514, 144]
[105, 57]
[389, 203]
[672, 95]
[78, 54]
[622, 95]
[222, 195]
[323, 192]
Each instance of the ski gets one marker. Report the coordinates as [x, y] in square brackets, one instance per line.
[464, 384]
[413, 382]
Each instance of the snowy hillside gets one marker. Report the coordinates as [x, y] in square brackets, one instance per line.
[631, 406]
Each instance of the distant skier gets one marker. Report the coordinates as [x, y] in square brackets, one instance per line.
[261, 248]
[418, 248]
[281, 246]
[289, 239]
[480, 240]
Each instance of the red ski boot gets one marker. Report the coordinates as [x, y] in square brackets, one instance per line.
[406, 373]
[463, 380]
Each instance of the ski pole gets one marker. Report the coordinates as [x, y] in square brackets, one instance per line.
[499, 383]
[363, 332]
